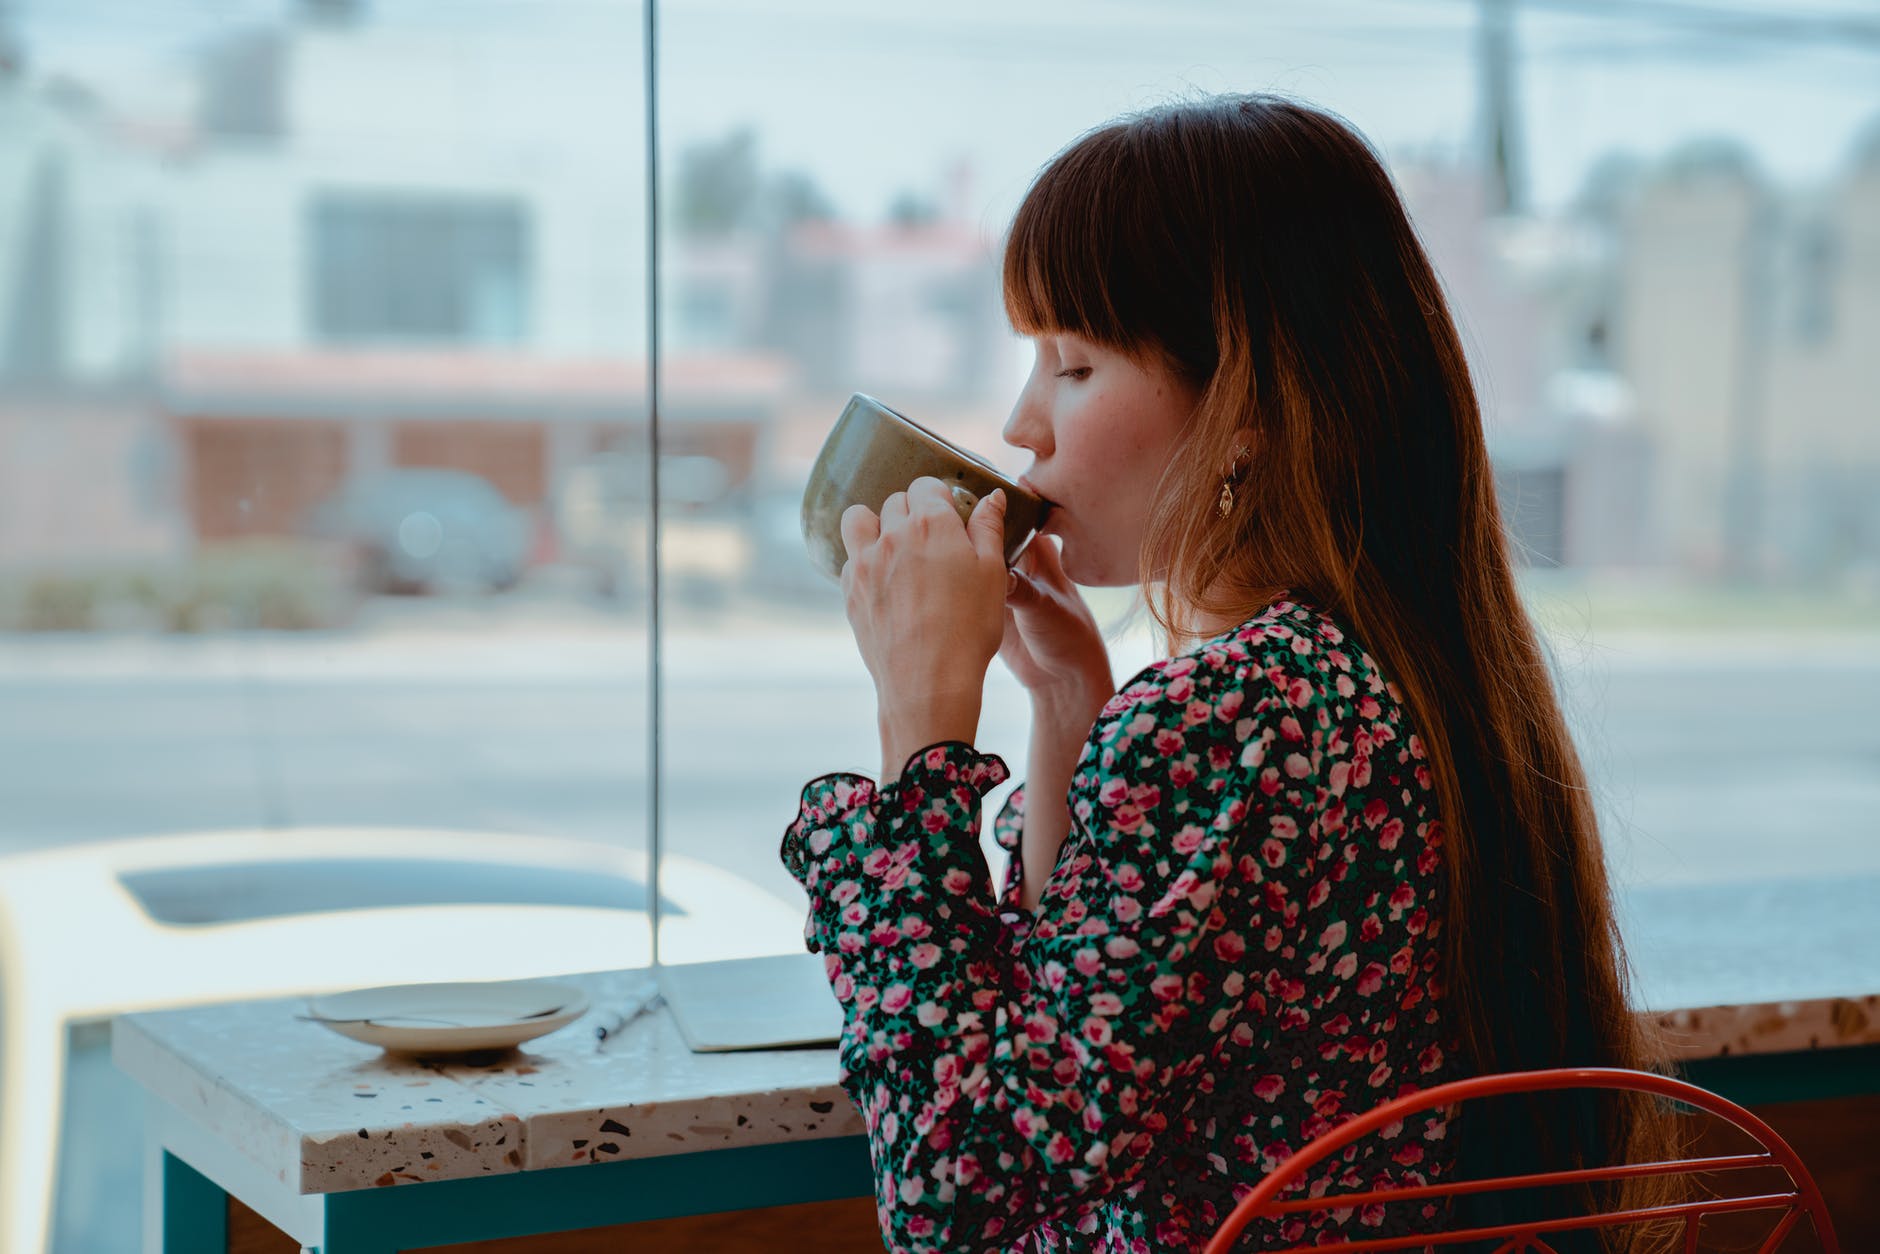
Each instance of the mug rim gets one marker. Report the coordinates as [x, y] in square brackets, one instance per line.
[1006, 481]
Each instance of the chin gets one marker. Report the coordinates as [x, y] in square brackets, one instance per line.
[1092, 574]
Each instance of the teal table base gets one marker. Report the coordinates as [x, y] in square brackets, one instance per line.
[1807, 1075]
[195, 1210]
[528, 1203]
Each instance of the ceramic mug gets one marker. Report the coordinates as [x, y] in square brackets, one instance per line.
[874, 452]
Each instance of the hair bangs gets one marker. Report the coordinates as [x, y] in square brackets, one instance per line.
[1057, 273]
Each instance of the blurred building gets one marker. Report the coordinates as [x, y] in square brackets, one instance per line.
[85, 467]
[1678, 372]
[266, 436]
[348, 249]
[334, 247]
[344, 248]
[1746, 322]
[1528, 295]
[909, 308]
[910, 311]
[1692, 239]
[1821, 419]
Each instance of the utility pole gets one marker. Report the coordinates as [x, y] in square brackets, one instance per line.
[1500, 120]
[1743, 523]
[12, 51]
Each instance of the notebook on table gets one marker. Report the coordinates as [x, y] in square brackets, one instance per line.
[752, 1003]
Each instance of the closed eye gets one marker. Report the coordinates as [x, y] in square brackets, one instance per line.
[1075, 372]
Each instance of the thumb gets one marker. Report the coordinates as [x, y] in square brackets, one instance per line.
[986, 527]
[1022, 591]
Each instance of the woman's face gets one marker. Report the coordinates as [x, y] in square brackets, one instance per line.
[1100, 427]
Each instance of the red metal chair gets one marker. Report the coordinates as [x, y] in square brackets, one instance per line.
[1802, 1196]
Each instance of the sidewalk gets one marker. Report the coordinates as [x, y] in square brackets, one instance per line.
[495, 651]
[491, 651]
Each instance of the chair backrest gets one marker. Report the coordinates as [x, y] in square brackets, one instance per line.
[1802, 1195]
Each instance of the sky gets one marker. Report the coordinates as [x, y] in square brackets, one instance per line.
[872, 98]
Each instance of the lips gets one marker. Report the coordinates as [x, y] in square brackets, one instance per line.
[1052, 510]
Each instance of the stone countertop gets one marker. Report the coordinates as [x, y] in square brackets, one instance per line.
[324, 1114]
[1769, 1027]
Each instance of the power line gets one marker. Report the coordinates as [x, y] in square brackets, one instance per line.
[1846, 29]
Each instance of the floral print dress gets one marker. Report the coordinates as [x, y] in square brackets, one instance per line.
[1236, 951]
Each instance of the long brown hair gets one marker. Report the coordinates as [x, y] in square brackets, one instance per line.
[1258, 248]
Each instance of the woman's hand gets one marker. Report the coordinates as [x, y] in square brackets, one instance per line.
[1051, 642]
[1053, 647]
[924, 595]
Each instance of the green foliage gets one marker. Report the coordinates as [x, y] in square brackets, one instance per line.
[912, 209]
[53, 603]
[261, 584]
[718, 184]
[723, 189]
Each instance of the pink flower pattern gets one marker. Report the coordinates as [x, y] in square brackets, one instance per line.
[1236, 951]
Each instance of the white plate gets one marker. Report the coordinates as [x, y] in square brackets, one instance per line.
[451, 1018]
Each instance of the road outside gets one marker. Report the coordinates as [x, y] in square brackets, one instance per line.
[1715, 756]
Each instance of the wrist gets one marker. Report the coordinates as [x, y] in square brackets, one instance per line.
[909, 724]
[1071, 701]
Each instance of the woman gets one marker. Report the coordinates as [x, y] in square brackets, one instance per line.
[1336, 847]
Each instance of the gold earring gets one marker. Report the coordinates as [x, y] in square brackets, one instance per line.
[1225, 505]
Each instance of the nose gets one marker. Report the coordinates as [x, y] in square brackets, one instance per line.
[1029, 425]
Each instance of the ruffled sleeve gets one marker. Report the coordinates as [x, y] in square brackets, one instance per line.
[914, 843]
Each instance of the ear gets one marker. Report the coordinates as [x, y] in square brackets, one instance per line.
[1242, 447]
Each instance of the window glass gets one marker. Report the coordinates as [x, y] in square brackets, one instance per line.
[323, 494]
[1647, 225]
[326, 460]
[323, 395]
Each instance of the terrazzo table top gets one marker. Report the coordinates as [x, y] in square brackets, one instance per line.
[322, 1114]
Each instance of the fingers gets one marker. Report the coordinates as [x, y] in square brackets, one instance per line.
[927, 501]
[927, 495]
[860, 528]
[919, 512]
[986, 528]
